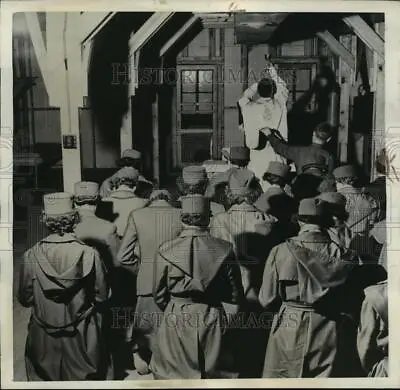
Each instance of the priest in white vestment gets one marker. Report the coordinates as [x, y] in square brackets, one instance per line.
[263, 106]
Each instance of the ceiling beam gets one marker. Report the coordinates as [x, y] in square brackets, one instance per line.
[174, 39]
[149, 28]
[91, 23]
[39, 47]
[366, 34]
[337, 48]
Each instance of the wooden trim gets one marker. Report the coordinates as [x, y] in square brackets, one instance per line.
[149, 28]
[373, 40]
[222, 43]
[196, 131]
[337, 48]
[244, 65]
[295, 60]
[211, 43]
[198, 61]
[39, 47]
[90, 23]
[156, 146]
[221, 95]
[177, 131]
[346, 77]
[174, 128]
[174, 39]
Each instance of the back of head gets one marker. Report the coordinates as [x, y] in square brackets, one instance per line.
[59, 214]
[239, 156]
[86, 193]
[311, 211]
[195, 210]
[277, 173]
[243, 186]
[127, 176]
[193, 180]
[323, 132]
[266, 88]
[346, 174]
[130, 158]
[335, 204]
[160, 195]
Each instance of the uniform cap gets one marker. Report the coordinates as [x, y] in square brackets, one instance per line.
[345, 171]
[193, 174]
[131, 153]
[127, 173]
[195, 204]
[310, 207]
[58, 203]
[86, 190]
[239, 153]
[333, 198]
[240, 181]
[335, 202]
[278, 169]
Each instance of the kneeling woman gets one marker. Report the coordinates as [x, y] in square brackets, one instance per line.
[195, 274]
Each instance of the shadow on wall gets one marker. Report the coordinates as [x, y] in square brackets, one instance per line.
[107, 89]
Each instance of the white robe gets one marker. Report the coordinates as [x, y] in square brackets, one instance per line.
[262, 113]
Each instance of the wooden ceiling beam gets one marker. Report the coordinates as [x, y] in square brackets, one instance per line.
[149, 28]
[178, 35]
[366, 34]
[337, 48]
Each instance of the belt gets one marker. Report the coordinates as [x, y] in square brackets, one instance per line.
[202, 300]
[299, 306]
[71, 326]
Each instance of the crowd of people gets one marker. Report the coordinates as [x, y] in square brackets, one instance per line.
[279, 274]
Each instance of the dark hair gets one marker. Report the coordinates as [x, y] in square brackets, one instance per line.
[129, 162]
[84, 201]
[123, 180]
[201, 220]
[240, 163]
[323, 131]
[191, 189]
[274, 179]
[61, 224]
[352, 181]
[266, 88]
[161, 196]
[250, 197]
[313, 219]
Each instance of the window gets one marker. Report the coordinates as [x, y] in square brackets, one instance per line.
[197, 98]
[196, 121]
[298, 78]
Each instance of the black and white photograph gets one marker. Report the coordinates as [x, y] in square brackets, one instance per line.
[199, 195]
